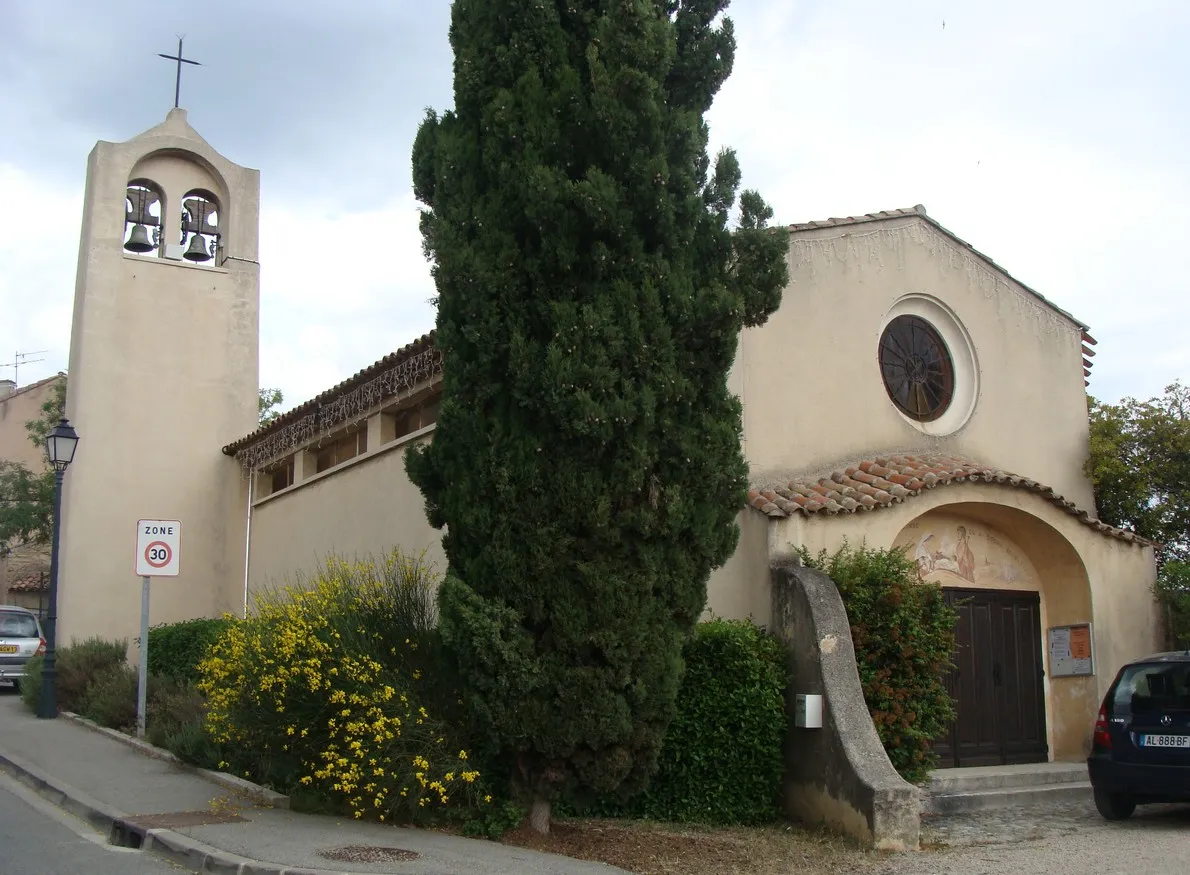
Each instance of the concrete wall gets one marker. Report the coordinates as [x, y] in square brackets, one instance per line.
[16, 409]
[163, 372]
[838, 774]
[1082, 575]
[810, 380]
[364, 506]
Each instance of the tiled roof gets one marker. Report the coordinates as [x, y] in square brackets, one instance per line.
[407, 351]
[920, 211]
[31, 583]
[884, 481]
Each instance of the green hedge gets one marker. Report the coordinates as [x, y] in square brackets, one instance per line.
[721, 761]
[904, 636]
[77, 666]
[175, 649]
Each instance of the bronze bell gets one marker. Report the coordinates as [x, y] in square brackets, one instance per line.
[197, 250]
[138, 240]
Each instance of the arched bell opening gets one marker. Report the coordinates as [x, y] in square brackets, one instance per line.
[202, 226]
[143, 210]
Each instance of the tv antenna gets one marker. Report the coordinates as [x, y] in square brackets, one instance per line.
[22, 358]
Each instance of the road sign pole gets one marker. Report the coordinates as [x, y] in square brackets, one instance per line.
[143, 674]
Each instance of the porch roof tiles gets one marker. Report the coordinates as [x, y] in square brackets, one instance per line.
[879, 482]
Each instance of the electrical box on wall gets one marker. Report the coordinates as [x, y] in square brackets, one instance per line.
[807, 711]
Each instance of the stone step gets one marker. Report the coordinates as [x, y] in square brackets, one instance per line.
[951, 781]
[1011, 797]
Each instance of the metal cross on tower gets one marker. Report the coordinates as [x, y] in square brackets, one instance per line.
[178, 57]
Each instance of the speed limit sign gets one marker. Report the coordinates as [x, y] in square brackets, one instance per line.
[157, 543]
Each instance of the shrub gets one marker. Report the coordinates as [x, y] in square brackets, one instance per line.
[721, 761]
[110, 699]
[904, 635]
[324, 687]
[175, 649]
[77, 666]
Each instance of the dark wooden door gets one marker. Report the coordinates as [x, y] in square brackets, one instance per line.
[996, 683]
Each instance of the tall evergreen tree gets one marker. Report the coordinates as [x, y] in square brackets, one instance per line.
[586, 465]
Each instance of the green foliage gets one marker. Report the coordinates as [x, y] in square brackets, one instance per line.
[26, 505]
[1139, 463]
[31, 682]
[269, 401]
[52, 410]
[722, 760]
[904, 636]
[1173, 591]
[325, 687]
[77, 666]
[590, 300]
[110, 698]
[175, 649]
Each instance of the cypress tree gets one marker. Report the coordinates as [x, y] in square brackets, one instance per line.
[586, 466]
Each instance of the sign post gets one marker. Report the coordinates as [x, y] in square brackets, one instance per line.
[158, 544]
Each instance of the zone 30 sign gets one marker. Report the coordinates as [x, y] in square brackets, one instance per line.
[157, 547]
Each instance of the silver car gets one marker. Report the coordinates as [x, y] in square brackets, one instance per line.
[20, 640]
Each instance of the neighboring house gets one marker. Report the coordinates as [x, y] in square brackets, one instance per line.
[24, 574]
[19, 405]
[908, 392]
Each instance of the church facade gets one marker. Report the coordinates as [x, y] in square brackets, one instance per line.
[909, 392]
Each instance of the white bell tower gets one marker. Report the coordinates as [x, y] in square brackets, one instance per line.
[164, 355]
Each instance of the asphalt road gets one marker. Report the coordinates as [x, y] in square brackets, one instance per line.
[38, 838]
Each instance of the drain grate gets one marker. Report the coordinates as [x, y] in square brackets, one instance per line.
[182, 819]
[368, 854]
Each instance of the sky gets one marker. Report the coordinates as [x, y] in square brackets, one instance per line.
[1050, 135]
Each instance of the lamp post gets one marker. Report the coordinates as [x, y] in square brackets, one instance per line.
[60, 445]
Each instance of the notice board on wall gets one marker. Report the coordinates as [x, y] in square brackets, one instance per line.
[1071, 651]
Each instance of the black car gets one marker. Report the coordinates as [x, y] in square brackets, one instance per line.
[1141, 748]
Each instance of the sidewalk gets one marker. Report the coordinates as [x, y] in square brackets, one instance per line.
[211, 828]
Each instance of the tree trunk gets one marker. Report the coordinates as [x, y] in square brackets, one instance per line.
[539, 815]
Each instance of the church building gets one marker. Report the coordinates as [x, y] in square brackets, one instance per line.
[908, 392]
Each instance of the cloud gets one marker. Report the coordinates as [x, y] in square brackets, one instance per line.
[1048, 135]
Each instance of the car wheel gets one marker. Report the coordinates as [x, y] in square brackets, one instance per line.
[16, 687]
[1114, 806]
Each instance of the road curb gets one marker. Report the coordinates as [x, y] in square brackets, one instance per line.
[257, 793]
[116, 825]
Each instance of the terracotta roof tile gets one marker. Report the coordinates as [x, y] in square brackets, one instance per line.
[407, 351]
[31, 583]
[887, 480]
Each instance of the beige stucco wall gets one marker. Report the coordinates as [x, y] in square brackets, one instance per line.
[163, 373]
[810, 381]
[364, 506]
[1082, 576]
[16, 409]
[740, 589]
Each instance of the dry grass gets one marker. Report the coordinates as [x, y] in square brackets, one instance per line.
[666, 849]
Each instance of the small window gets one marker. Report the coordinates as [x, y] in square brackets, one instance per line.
[916, 367]
[282, 476]
[339, 449]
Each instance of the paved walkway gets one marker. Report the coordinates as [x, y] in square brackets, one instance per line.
[1063, 839]
[191, 820]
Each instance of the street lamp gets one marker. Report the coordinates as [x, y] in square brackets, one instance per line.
[60, 445]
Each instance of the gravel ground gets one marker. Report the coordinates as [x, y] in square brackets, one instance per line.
[1071, 839]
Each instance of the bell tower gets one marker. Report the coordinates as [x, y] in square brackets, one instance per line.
[164, 354]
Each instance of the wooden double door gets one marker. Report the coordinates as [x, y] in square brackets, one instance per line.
[997, 681]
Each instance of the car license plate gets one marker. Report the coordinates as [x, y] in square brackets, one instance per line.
[8, 648]
[1165, 741]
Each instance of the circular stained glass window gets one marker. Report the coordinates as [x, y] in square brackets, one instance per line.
[917, 368]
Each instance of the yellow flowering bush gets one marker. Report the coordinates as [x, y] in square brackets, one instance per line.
[322, 688]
